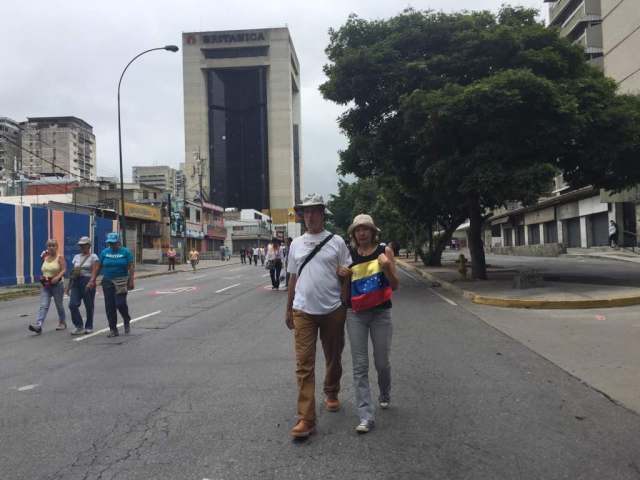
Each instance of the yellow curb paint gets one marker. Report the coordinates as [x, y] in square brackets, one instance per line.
[556, 304]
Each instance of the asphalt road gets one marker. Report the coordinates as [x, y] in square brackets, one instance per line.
[205, 389]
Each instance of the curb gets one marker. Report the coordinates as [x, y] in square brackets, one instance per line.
[530, 304]
[20, 292]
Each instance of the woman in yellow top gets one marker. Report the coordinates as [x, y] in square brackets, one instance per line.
[52, 279]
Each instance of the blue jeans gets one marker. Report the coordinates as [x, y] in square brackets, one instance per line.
[80, 293]
[377, 324]
[113, 304]
[46, 293]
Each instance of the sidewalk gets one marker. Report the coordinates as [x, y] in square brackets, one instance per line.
[143, 270]
[578, 289]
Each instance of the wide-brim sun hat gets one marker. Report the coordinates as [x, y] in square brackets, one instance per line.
[113, 237]
[362, 220]
[84, 241]
[311, 200]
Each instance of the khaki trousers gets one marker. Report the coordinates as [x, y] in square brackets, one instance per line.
[331, 327]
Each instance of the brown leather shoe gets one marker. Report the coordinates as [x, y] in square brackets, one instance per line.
[332, 404]
[303, 429]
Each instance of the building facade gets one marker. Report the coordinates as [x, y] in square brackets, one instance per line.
[163, 177]
[58, 146]
[10, 147]
[242, 118]
[609, 32]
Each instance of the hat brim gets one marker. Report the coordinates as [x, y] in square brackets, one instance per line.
[371, 226]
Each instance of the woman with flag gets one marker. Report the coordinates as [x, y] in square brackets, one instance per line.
[373, 277]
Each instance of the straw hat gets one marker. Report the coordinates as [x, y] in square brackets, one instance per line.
[362, 220]
[84, 241]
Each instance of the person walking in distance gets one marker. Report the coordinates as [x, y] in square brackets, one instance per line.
[262, 256]
[274, 262]
[53, 269]
[81, 289]
[194, 258]
[117, 268]
[256, 255]
[372, 276]
[613, 234]
[243, 256]
[314, 306]
[171, 257]
[249, 253]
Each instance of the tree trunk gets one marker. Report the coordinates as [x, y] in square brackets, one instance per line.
[476, 245]
[434, 258]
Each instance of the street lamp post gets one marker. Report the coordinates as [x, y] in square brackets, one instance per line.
[170, 48]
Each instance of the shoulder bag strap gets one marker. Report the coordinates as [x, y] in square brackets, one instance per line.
[314, 251]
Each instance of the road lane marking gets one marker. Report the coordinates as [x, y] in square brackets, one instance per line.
[28, 387]
[173, 291]
[133, 320]
[450, 302]
[228, 288]
[136, 290]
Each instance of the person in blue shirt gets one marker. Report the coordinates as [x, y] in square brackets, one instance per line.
[117, 268]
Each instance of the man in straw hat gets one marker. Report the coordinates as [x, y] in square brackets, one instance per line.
[314, 305]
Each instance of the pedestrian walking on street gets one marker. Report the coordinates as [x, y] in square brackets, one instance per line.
[117, 268]
[314, 305]
[249, 253]
[262, 256]
[274, 262]
[53, 269]
[256, 255]
[613, 234]
[81, 289]
[194, 258]
[373, 276]
[171, 257]
[243, 256]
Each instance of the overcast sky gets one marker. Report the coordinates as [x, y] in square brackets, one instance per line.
[65, 58]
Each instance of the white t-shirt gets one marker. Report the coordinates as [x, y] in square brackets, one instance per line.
[88, 263]
[318, 288]
[256, 252]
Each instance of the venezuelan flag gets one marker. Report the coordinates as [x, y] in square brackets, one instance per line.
[369, 286]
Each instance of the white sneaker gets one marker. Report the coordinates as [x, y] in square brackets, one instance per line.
[365, 426]
[385, 404]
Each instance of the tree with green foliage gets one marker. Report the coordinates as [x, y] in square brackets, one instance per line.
[468, 111]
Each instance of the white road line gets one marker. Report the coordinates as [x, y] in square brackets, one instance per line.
[133, 320]
[136, 290]
[27, 387]
[228, 288]
[450, 302]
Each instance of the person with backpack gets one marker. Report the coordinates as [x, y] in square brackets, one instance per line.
[314, 306]
[373, 277]
[80, 289]
[53, 269]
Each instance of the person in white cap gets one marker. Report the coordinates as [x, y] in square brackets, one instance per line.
[85, 265]
[373, 277]
[315, 305]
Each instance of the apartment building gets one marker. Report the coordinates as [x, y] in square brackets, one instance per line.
[58, 146]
